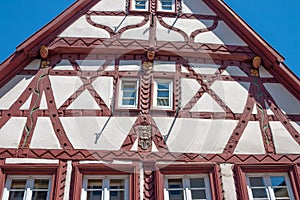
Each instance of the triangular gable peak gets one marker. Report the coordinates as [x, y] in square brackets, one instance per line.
[97, 53]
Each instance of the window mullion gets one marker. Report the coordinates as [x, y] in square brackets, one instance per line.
[29, 187]
[187, 188]
[105, 195]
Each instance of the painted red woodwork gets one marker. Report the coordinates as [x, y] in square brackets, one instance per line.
[241, 170]
[79, 170]
[193, 168]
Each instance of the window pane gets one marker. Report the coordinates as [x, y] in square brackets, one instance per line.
[259, 193]
[174, 183]
[16, 195]
[281, 192]
[94, 184]
[256, 181]
[41, 195]
[140, 4]
[198, 194]
[129, 94]
[128, 102]
[41, 183]
[18, 184]
[94, 195]
[116, 195]
[176, 195]
[197, 183]
[278, 181]
[164, 86]
[163, 102]
[117, 184]
[163, 94]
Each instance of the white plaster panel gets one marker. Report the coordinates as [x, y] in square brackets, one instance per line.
[204, 68]
[283, 141]
[196, 7]
[221, 35]
[234, 94]
[164, 66]
[117, 22]
[184, 70]
[188, 25]
[200, 135]
[234, 71]
[163, 124]
[26, 105]
[207, 104]
[34, 65]
[164, 34]
[104, 87]
[11, 91]
[82, 131]
[84, 101]
[11, 132]
[63, 65]
[264, 73]
[154, 148]
[43, 104]
[189, 87]
[251, 142]
[296, 125]
[135, 146]
[269, 110]
[68, 180]
[44, 136]
[228, 183]
[63, 87]
[140, 33]
[82, 29]
[283, 98]
[30, 161]
[130, 65]
[254, 111]
[109, 5]
[92, 65]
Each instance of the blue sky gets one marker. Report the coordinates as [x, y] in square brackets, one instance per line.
[278, 22]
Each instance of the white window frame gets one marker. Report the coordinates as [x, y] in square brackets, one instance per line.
[134, 3]
[168, 81]
[29, 185]
[120, 96]
[268, 185]
[186, 185]
[160, 6]
[105, 185]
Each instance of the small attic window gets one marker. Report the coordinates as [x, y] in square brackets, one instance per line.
[139, 5]
[166, 5]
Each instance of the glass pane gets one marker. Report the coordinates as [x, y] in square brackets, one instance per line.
[94, 195]
[94, 184]
[41, 183]
[163, 86]
[278, 181]
[256, 181]
[129, 94]
[197, 183]
[117, 184]
[16, 195]
[163, 102]
[259, 193]
[116, 195]
[163, 94]
[18, 184]
[198, 194]
[176, 195]
[281, 192]
[129, 102]
[174, 183]
[41, 195]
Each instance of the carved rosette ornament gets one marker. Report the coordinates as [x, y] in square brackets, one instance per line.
[145, 136]
[256, 62]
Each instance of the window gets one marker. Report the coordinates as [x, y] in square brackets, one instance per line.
[140, 5]
[105, 188]
[27, 188]
[166, 5]
[163, 94]
[128, 93]
[187, 187]
[269, 186]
